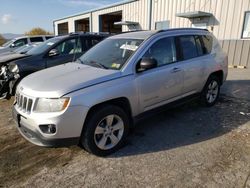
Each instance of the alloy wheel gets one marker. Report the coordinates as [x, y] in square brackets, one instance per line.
[109, 132]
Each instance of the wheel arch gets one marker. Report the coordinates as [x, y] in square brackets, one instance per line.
[219, 74]
[121, 102]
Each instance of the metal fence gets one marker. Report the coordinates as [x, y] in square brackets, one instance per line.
[238, 52]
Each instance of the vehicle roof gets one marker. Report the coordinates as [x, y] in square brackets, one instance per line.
[146, 34]
[21, 37]
[135, 34]
[88, 34]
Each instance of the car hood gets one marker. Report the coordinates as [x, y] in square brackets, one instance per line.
[60, 80]
[11, 57]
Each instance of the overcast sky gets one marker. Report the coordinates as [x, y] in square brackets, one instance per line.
[19, 16]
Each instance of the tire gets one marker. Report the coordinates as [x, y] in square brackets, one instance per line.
[211, 91]
[100, 135]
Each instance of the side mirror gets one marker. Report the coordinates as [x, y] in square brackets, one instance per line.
[53, 52]
[12, 45]
[146, 63]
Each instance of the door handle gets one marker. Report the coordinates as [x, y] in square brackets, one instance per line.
[174, 70]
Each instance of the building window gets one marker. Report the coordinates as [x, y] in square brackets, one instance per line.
[63, 28]
[246, 26]
[162, 25]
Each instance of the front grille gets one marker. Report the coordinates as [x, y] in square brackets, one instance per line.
[24, 103]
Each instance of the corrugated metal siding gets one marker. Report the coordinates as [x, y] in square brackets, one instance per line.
[228, 14]
[227, 21]
[238, 52]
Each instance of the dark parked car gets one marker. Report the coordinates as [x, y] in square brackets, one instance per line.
[55, 51]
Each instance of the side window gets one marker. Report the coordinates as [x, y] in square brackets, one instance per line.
[208, 43]
[36, 39]
[48, 37]
[163, 51]
[188, 47]
[95, 40]
[20, 42]
[198, 45]
[70, 46]
[89, 42]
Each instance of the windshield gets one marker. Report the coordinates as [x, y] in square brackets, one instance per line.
[20, 48]
[43, 46]
[8, 43]
[111, 53]
[24, 50]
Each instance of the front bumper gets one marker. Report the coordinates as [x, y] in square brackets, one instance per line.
[68, 126]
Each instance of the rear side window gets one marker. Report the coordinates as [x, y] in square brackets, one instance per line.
[36, 39]
[188, 47]
[208, 43]
[198, 45]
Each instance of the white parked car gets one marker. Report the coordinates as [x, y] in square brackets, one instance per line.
[21, 41]
[95, 100]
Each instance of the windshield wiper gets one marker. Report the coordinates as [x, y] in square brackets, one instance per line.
[93, 63]
[80, 60]
[99, 65]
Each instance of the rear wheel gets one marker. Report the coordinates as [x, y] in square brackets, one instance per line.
[211, 91]
[105, 130]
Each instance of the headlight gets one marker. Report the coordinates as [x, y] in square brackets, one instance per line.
[51, 105]
[3, 70]
[13, 68]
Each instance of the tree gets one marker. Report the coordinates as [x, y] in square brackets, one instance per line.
[38, 31]
[2, 40]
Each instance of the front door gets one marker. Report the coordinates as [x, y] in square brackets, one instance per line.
[68, 51]
[164, 83]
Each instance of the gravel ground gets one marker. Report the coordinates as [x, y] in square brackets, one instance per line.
[188, 146]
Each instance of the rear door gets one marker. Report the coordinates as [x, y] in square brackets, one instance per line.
[193, 63]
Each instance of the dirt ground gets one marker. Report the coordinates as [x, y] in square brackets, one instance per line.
[189, 146]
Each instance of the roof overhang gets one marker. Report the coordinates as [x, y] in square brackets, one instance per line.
[126, 23]
[195, 14]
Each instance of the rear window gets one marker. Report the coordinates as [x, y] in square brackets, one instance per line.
[208, 43]
[36, 39]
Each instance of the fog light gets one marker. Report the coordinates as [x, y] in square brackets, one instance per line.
[48, 129]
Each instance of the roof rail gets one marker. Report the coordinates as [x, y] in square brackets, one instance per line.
[89, 33]
[132, 31]
[181, 29]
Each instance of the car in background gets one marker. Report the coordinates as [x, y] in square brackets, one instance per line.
[21, 41]
[55, 51]
[18, 53]
[94, 103]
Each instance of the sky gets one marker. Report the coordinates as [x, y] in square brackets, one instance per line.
[19, 16]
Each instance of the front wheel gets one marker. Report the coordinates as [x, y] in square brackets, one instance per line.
[105, 130]
[211, 91]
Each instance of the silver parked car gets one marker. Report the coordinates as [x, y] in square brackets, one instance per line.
[95, 100]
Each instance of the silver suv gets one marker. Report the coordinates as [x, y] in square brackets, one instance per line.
[95, 100]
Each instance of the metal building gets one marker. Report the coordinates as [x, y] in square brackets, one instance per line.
[228, 20]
